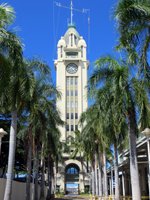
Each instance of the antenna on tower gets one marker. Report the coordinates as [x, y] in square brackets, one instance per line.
[71, 9]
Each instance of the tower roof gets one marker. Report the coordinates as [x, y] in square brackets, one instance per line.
[71, 30]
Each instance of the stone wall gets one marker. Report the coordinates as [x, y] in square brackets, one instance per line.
[18, 190]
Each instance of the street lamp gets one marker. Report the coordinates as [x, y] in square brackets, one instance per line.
[2, 133]
[146, 133]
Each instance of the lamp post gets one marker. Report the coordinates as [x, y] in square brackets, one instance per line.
[2, 133]
[146, 132]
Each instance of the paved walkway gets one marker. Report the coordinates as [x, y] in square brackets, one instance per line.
[72, 197]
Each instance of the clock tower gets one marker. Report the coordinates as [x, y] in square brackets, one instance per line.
[71, 80]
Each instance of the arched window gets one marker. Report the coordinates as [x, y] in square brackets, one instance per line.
[71, 39]
[82, 51]
[75, 39]
[72, 170]
[72, 173]
[61, 51]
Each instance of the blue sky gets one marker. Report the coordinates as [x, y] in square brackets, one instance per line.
[40, 24]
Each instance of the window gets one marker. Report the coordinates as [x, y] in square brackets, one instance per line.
[61, 52]
[71, 115]
[72, 170]
[76, 115]
[67, 115]
[82, 51]
[76, 93]
[76, 81]
[67, 81]
[72, 54]
[72, 129]
[71, 82]
[71, 39]
[72, 93]
[76, 127]
[67, 92]
[75, 39]
[67, 127]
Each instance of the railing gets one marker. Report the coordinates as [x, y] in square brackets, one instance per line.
[113, 198]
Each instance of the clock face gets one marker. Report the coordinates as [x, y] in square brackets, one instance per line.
[72, 68]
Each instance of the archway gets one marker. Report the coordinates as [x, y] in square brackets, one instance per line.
[72, 179]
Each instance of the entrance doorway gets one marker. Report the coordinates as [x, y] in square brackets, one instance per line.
[72, 179]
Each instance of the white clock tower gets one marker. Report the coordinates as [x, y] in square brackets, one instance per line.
[71, 80]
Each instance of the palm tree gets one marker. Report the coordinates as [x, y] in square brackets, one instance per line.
[12, 94]
[93, 141]
[133, 24]
[7, 15]
[40, 108]
[124, 89]
[35, 94]
[114, 125]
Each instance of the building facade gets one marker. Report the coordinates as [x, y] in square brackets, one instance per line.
[71, 80]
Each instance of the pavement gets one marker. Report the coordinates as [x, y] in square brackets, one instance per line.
[72, 197]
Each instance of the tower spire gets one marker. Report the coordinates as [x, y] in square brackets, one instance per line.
[71, 9]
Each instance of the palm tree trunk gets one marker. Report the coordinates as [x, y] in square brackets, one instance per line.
[11, 157]
[93, 180]
[42, 176]
[29, 168]
[100, 174]
[29, 165]
[35, 172]
[36, 175]
[117, 194]
[105, 175]
[52, 180]
[134, 173]
[112, 180]
[49, 179]
[96, 177]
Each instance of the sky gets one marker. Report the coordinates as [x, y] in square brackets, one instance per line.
[40, 24]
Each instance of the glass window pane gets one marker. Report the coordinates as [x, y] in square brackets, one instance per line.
[76, 81]
[67, 81]
[71, 81]
[72, 170]
[67, 127]
[72, 129]
[71, 92]
[67, 115]
[76, 127]
[67, 92]
[71, 115]
[76, 93]
[76, 115]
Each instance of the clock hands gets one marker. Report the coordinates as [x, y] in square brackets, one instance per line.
[72, 68]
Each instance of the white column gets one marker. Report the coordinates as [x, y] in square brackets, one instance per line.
[148, 154]
[93, 185]
[112, 183]
[123, 185]
[96, 180]
[110, 186]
